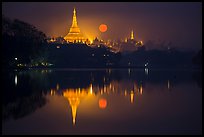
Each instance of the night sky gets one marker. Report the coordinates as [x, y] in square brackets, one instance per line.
[178, 23]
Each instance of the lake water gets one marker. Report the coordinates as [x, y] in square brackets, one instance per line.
[102, 101]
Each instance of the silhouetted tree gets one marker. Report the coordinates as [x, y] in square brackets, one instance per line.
[21, 41]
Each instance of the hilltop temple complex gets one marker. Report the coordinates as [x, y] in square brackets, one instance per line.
[75, 36]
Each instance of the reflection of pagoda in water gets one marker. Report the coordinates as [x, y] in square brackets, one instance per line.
[74, 96]
[74, 35]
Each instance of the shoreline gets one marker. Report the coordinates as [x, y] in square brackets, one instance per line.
[107, 68]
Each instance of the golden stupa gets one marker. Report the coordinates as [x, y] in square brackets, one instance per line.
[74, 35]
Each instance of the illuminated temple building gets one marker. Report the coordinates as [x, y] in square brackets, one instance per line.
[74, 35]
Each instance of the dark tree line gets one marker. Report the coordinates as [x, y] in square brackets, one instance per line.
[21, 43]
[82, 56]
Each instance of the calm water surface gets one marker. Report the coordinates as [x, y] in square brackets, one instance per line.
[102, 101]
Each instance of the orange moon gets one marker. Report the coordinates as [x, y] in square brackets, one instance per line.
[103, 28]
[102, 103]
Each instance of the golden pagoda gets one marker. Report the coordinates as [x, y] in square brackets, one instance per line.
[74, 35]
[132, 35]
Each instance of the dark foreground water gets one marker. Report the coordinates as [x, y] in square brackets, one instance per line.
[102, 101]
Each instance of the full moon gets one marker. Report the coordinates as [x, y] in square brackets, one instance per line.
[103, 28]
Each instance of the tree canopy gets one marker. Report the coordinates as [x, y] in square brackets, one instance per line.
[22, 42]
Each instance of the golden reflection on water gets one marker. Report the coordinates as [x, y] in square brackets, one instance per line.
[98, 103]
[16, 80]
[75, 95]
[168, 84]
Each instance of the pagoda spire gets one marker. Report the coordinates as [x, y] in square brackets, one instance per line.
[132, 35]
[74, 21]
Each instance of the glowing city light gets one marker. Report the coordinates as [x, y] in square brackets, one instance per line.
[57, 86]
[91, 89]
[129, 71]
[146, 64]
[146, 71]
[141, 90]
[132, 35]
[168, 84]
[131, 96]
[16, 80]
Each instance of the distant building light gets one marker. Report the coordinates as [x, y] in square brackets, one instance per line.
[58, 47]
[104, 55]
[146, 64]
[19, 65]
[16, 58]
[92, 54]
